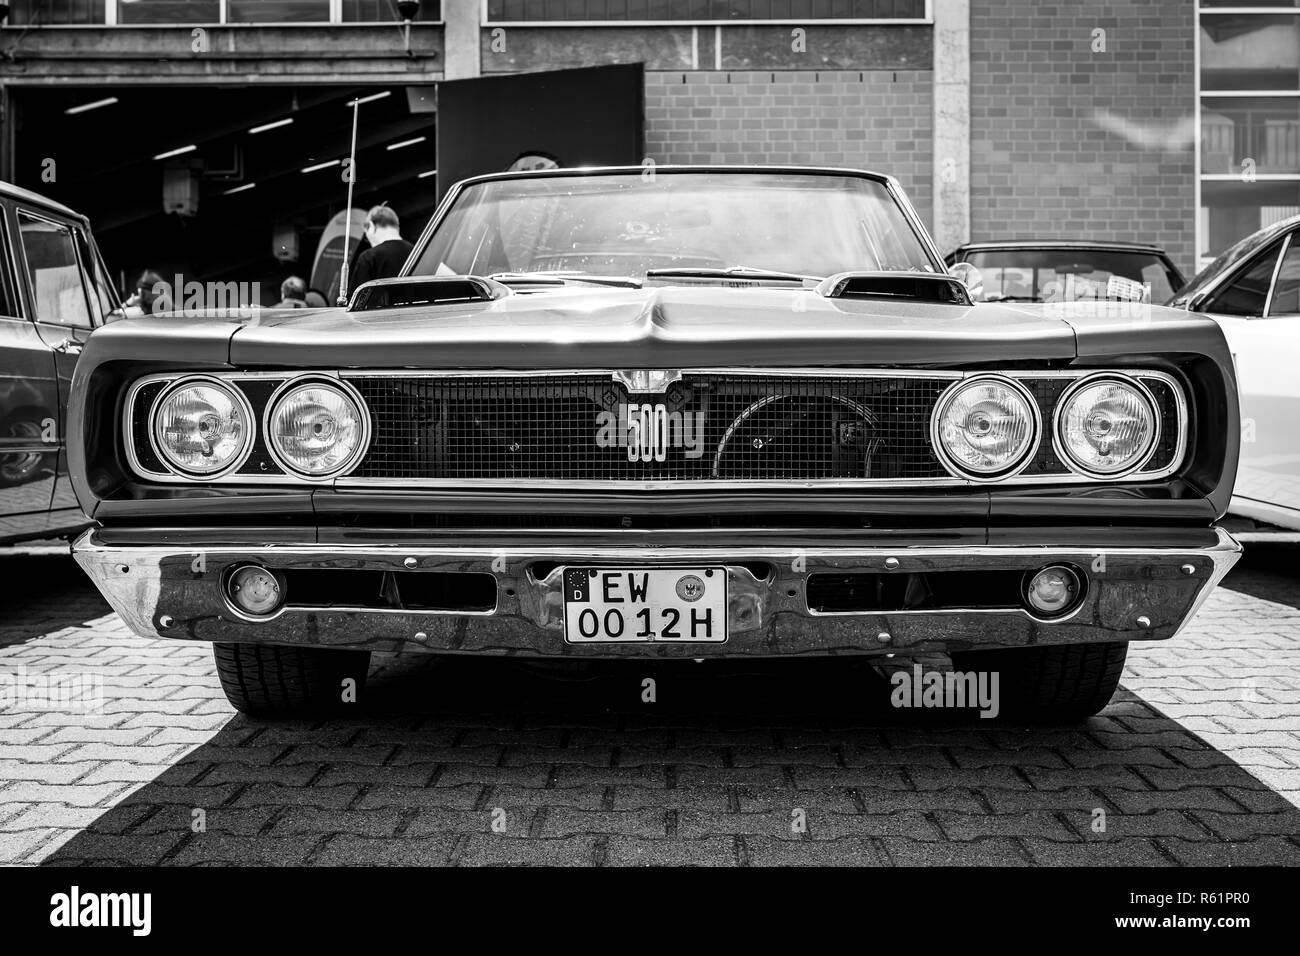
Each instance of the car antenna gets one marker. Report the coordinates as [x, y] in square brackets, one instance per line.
[347, 221]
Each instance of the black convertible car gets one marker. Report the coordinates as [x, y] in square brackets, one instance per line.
[679, 413]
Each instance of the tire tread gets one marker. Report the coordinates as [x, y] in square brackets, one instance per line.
[267, 680]
[1065, 682]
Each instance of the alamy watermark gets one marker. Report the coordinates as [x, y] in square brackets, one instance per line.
[194, 296]
[946, 689]
[73, 692]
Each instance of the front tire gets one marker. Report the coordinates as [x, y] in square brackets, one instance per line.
[266, 680]
[1068, 682]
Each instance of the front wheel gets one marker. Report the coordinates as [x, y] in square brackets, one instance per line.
[1058, 683]
[266, 680]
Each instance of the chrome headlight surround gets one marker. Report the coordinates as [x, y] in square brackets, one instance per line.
[238, 399]
[344, 389]
[1139, 461]
[1019, 464]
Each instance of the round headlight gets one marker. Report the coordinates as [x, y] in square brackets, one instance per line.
[986, 428]
[202, 428]
[317, 429]
[1106, 427]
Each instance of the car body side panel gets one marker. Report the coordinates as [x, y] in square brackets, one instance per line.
[1266, 352]
[29, 410]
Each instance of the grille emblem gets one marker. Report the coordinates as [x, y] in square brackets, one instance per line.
[647, 380]
[647, 432]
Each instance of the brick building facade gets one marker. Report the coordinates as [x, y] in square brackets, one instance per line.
[873, 119]
[1048, 94]
[1002, 118]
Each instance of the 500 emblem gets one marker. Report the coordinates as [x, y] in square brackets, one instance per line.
[647, 432]
[648, 429]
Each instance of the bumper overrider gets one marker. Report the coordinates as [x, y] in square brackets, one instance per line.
[507, 597]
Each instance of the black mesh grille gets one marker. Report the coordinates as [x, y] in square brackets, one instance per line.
[732, 428]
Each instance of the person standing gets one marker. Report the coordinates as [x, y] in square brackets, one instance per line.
[388, 250]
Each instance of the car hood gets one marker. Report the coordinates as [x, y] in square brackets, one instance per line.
[660, 328]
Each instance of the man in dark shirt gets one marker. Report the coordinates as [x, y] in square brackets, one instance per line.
[387, 252]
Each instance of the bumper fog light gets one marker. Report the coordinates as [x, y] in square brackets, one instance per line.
[1053, 590]
[255, 590]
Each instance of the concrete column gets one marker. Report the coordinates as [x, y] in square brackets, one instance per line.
[951, 123]
[461, 50]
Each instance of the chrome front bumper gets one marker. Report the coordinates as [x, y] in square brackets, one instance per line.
[1133, 593]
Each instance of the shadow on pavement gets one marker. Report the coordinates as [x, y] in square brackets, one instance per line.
[1268, 571]
[43, 593]
[479, 762]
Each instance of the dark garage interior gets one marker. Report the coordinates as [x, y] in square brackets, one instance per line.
[252, 197]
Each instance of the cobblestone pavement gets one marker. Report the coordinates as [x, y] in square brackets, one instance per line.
[1197, 761]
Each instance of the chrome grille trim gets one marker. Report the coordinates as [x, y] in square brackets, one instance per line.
[1177, 400]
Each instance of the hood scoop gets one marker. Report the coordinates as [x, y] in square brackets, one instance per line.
[424, 290]
[913, 286]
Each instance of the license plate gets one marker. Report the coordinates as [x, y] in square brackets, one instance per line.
[644, 605]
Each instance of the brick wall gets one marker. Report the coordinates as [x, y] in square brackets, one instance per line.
[1041, 165]
[875, 119]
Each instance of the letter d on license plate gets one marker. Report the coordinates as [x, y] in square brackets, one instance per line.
[644, 605]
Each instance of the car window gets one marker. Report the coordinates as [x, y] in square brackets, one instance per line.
[100, 286]
[1070, 274]
[8, 292]
[1286, 292]
[622, 224]
[54, 271]
[1229, 259]
[1247, 293]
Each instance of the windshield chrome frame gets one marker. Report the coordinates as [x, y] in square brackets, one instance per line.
[891, 184]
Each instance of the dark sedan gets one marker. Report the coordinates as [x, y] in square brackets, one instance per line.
[54, 292]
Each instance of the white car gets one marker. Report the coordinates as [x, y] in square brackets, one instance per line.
[1253, 292]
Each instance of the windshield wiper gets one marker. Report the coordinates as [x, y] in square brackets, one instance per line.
[563, 278]
[731, 272]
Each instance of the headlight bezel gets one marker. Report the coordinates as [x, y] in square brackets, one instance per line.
[293, 473]
[950, 464]
[1062, 451]
[240, 400]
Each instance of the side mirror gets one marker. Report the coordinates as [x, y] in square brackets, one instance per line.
[970, 277]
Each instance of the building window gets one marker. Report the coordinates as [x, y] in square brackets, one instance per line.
[56, 12]
[1248, 112]
[561, 12]
[277, 11]
[185, 12]
[168, 11]
[385, 11]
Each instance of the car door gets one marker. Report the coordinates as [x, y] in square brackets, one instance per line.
[29, 401]
[65, 307]
[1259, 312]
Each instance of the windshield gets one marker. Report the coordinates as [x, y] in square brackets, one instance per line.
[1229, 258]
[1069, 275]
[625, 224]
